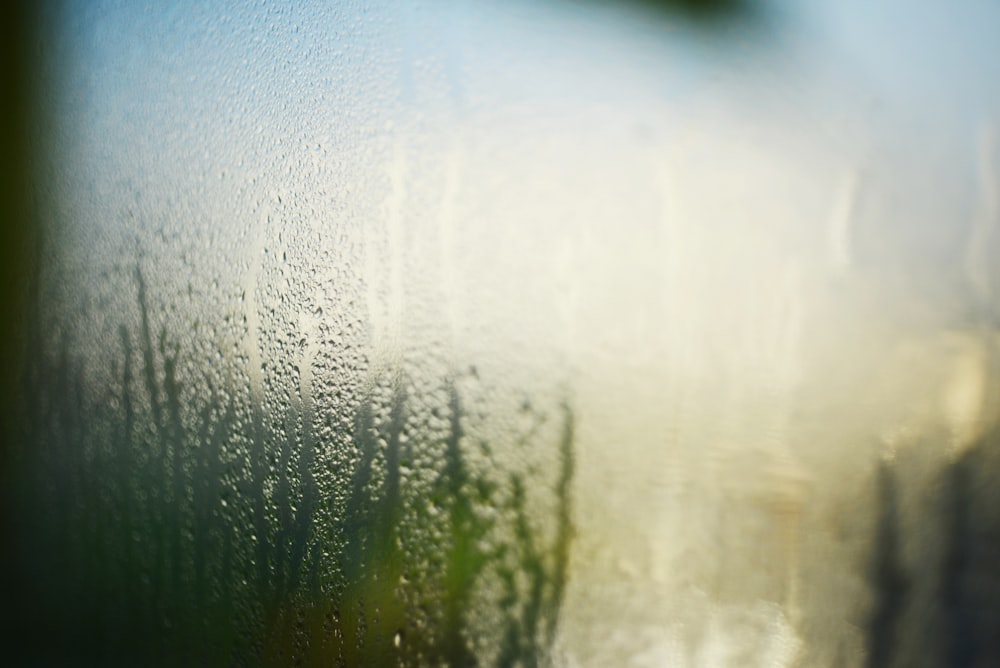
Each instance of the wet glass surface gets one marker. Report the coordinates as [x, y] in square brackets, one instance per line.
[568, 333]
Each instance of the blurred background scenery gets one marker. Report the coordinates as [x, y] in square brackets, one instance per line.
[565, 333]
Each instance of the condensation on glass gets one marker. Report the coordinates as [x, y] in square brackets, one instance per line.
[518, 333]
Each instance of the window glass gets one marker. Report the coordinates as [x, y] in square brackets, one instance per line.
[510, 333]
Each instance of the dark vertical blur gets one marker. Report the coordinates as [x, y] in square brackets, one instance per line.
[18, 45]
[16, 233]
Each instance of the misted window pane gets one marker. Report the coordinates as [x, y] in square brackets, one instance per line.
[509, 333]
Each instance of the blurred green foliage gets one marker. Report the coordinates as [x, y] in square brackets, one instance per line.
[220, 530]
